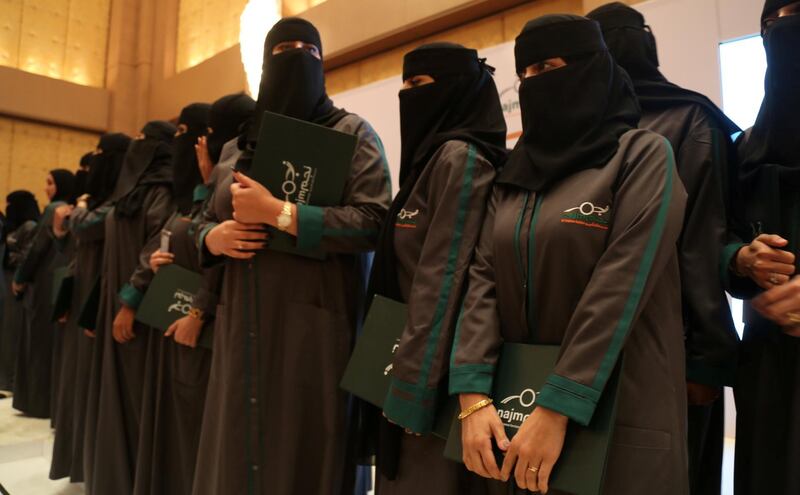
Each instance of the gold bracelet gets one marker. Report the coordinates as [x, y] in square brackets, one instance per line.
[474, 408]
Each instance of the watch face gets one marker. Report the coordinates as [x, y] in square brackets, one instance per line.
[284, 221]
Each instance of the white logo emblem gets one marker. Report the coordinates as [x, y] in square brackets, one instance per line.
[182, 302]
[389, 368]
[512, 417]
[586, 208]
[407, 214]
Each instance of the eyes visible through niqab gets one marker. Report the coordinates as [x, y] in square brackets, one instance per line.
[791, 9]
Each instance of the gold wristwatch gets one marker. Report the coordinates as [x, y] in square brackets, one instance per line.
[285, 217]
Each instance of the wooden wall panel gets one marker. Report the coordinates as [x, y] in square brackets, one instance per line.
[28, 151]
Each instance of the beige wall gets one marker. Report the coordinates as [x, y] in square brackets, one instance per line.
[29, 150]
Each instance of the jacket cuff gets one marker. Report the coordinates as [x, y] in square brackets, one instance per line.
[200, 193]
[206, 258]
[471, 379]
[715, 376]
[18, 277]
[739, 287]
[310, 221]
[570, 398]
[130, 297]
[410, 406]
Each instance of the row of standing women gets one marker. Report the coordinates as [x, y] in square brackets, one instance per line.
[612, 228]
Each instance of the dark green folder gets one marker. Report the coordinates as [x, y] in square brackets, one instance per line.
[88, 317]
[170, 297]
[63, 282]
[302, 163]
[368, 373]
[521, 371]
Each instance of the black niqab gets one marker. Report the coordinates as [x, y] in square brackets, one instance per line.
[770, 156]
[65, 185]
[82, 174]
[227, 118]
[105, 167]
[292, 82]
[148, 162]
[462, 104]
[633, 46]
[21, 207]
[572, 117]
[185, 171]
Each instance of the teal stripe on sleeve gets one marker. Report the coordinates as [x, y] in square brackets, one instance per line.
[635, 295]
[447, 282]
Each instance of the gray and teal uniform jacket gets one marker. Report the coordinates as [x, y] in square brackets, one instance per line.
[116, 387]
[85, 236]
[276, 421]
[35, 380]
[591, 264]
[703, 155]
[175, 384]
[435, 235]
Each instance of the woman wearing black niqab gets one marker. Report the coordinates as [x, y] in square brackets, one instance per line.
[578, 250]
[700, 135]
[22, 213]
[36, 377]
[290, 444]
[453, 139]
[84, 230]
[768, 383]
[176, 370]
[142, 202]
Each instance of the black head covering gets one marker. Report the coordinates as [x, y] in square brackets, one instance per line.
[462, 104]
[770, 156]
[65, 185]
[572, 117]
[292, 82]
[82, 174]
[772, 6]
[105, 167]
[148, 162]
[21, 207]
[226, 120]
[633, 46]
[185, 171]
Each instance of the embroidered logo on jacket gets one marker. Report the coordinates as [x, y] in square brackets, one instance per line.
[587, 215]
[407, 219]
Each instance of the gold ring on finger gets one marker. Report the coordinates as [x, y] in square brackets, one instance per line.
[534, 470]
[773, 279]
[793, 316]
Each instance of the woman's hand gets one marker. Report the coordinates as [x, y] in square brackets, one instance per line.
[64, 318]
[185, 330]
[203, 158]
[252, 202]
[17, 289]
[89, 333]
[122, 329]
[477, 431]
[781, 304]
[236, 240]
[160, 258]
[535, 449]
[766, 265]
[59, 215]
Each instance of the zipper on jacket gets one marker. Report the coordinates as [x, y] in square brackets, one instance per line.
[530, 292]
